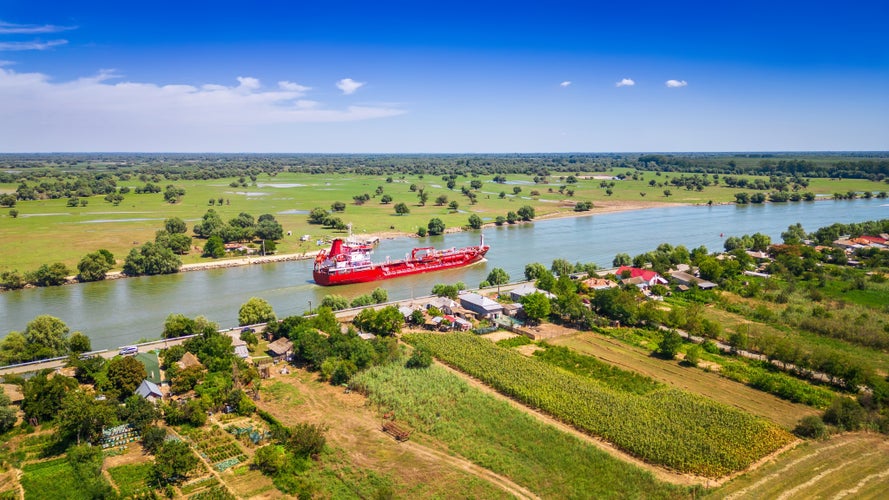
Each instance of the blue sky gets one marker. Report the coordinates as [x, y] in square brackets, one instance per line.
[449, 77]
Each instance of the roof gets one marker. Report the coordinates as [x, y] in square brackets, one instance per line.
[242, 352]
[406, 311]
[480, 301]
[149, 389]
[527, 289]
[635, 272]
[688, 279]
[599, 283]
[188, 360]
[366, 336]
[281, 346]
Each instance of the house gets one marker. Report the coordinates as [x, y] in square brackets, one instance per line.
[150, 391]
[188, 360]
[461, 324]
[686, 279]
[522, 291]
[443, 304]
[238, 345]
[599, 283]
[513, 310]
[406, 312]
[760, 255]
[241, 351]
[281, 349]
[646, 277]
[483, 307]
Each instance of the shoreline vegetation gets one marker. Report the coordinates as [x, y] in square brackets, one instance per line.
[605, 207]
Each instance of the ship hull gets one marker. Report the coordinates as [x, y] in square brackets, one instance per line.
[385, 271]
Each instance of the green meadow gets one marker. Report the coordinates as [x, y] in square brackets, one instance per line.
[47, 231]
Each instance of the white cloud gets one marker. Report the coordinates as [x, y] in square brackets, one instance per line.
[566, 83]
[349, 86]
[674, 84]
[4, 62]
[103, 113]
[625, 82]
[32, 45]
[293, 87]
[30, 29]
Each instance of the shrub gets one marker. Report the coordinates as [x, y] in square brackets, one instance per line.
[811, 427]
[421, 358]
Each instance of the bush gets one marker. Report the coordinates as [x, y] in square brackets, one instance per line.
[421, 358]
[845, 413]
[693, 355]
[669, 346]
[306, 440]
[152, 438]
[810, 427]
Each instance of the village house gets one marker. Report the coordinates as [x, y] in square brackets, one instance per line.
[188, 360]
[522, 291]
[642, 278]
[688, 280]
[150, 391]
[281, 349]
[483, 307]
[599, 283]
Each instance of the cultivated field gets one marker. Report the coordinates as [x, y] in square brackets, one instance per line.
[694, 380]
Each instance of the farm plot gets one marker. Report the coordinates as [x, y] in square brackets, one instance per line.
[496, 435]
[847, 466]
[52, 480]
[132, 479]
[668, 427]
[216, 446]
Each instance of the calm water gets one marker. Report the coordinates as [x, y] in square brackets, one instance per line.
[119, 312]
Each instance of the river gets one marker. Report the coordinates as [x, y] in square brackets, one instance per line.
[119, 312]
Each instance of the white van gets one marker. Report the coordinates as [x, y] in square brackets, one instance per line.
[128, 349]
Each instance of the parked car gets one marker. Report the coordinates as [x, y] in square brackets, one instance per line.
[128, 350]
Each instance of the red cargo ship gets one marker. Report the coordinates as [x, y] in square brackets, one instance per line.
[347, 263]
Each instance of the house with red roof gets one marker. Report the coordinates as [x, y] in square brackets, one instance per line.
[646, 277]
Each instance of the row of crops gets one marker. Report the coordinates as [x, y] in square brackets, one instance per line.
[217, 446]
[668, 427]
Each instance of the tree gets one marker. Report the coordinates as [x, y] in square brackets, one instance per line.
[526, 213]
[338, 206]
[255, 311]
[269, 229]
[423, 197]
[388, 321]
[83, 417]
[210, 224]
[79, 343]
[317, 215]
[670, 344]
[497, 276]
[175, 225]
[152, 438]
[475, 222]
[271, 459]
[436, 226]
[794, 235]
[335, 302]
[47, 336]
[622, 259]
[7, 200]
[402, 209]
[151, 259]
[125, 374]
[49, 275]
[173, 194]
[93, 266]
[177, 325]
[693, 355]
[668, 193]
[420, 358]
[379, 295]
[139, 412]
[561, 267]
[13, 213]
[43, 396]
[536, 306]
[534, 270]
[441, 200]
[214, 247]
[500, 220]
[174, 461]
[385, 199]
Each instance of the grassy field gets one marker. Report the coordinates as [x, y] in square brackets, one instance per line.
[497, 436]
[51, 480]
[671, 428]
[48, 231]
[846, 466]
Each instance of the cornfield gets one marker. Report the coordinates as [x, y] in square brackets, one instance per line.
[668, 427]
